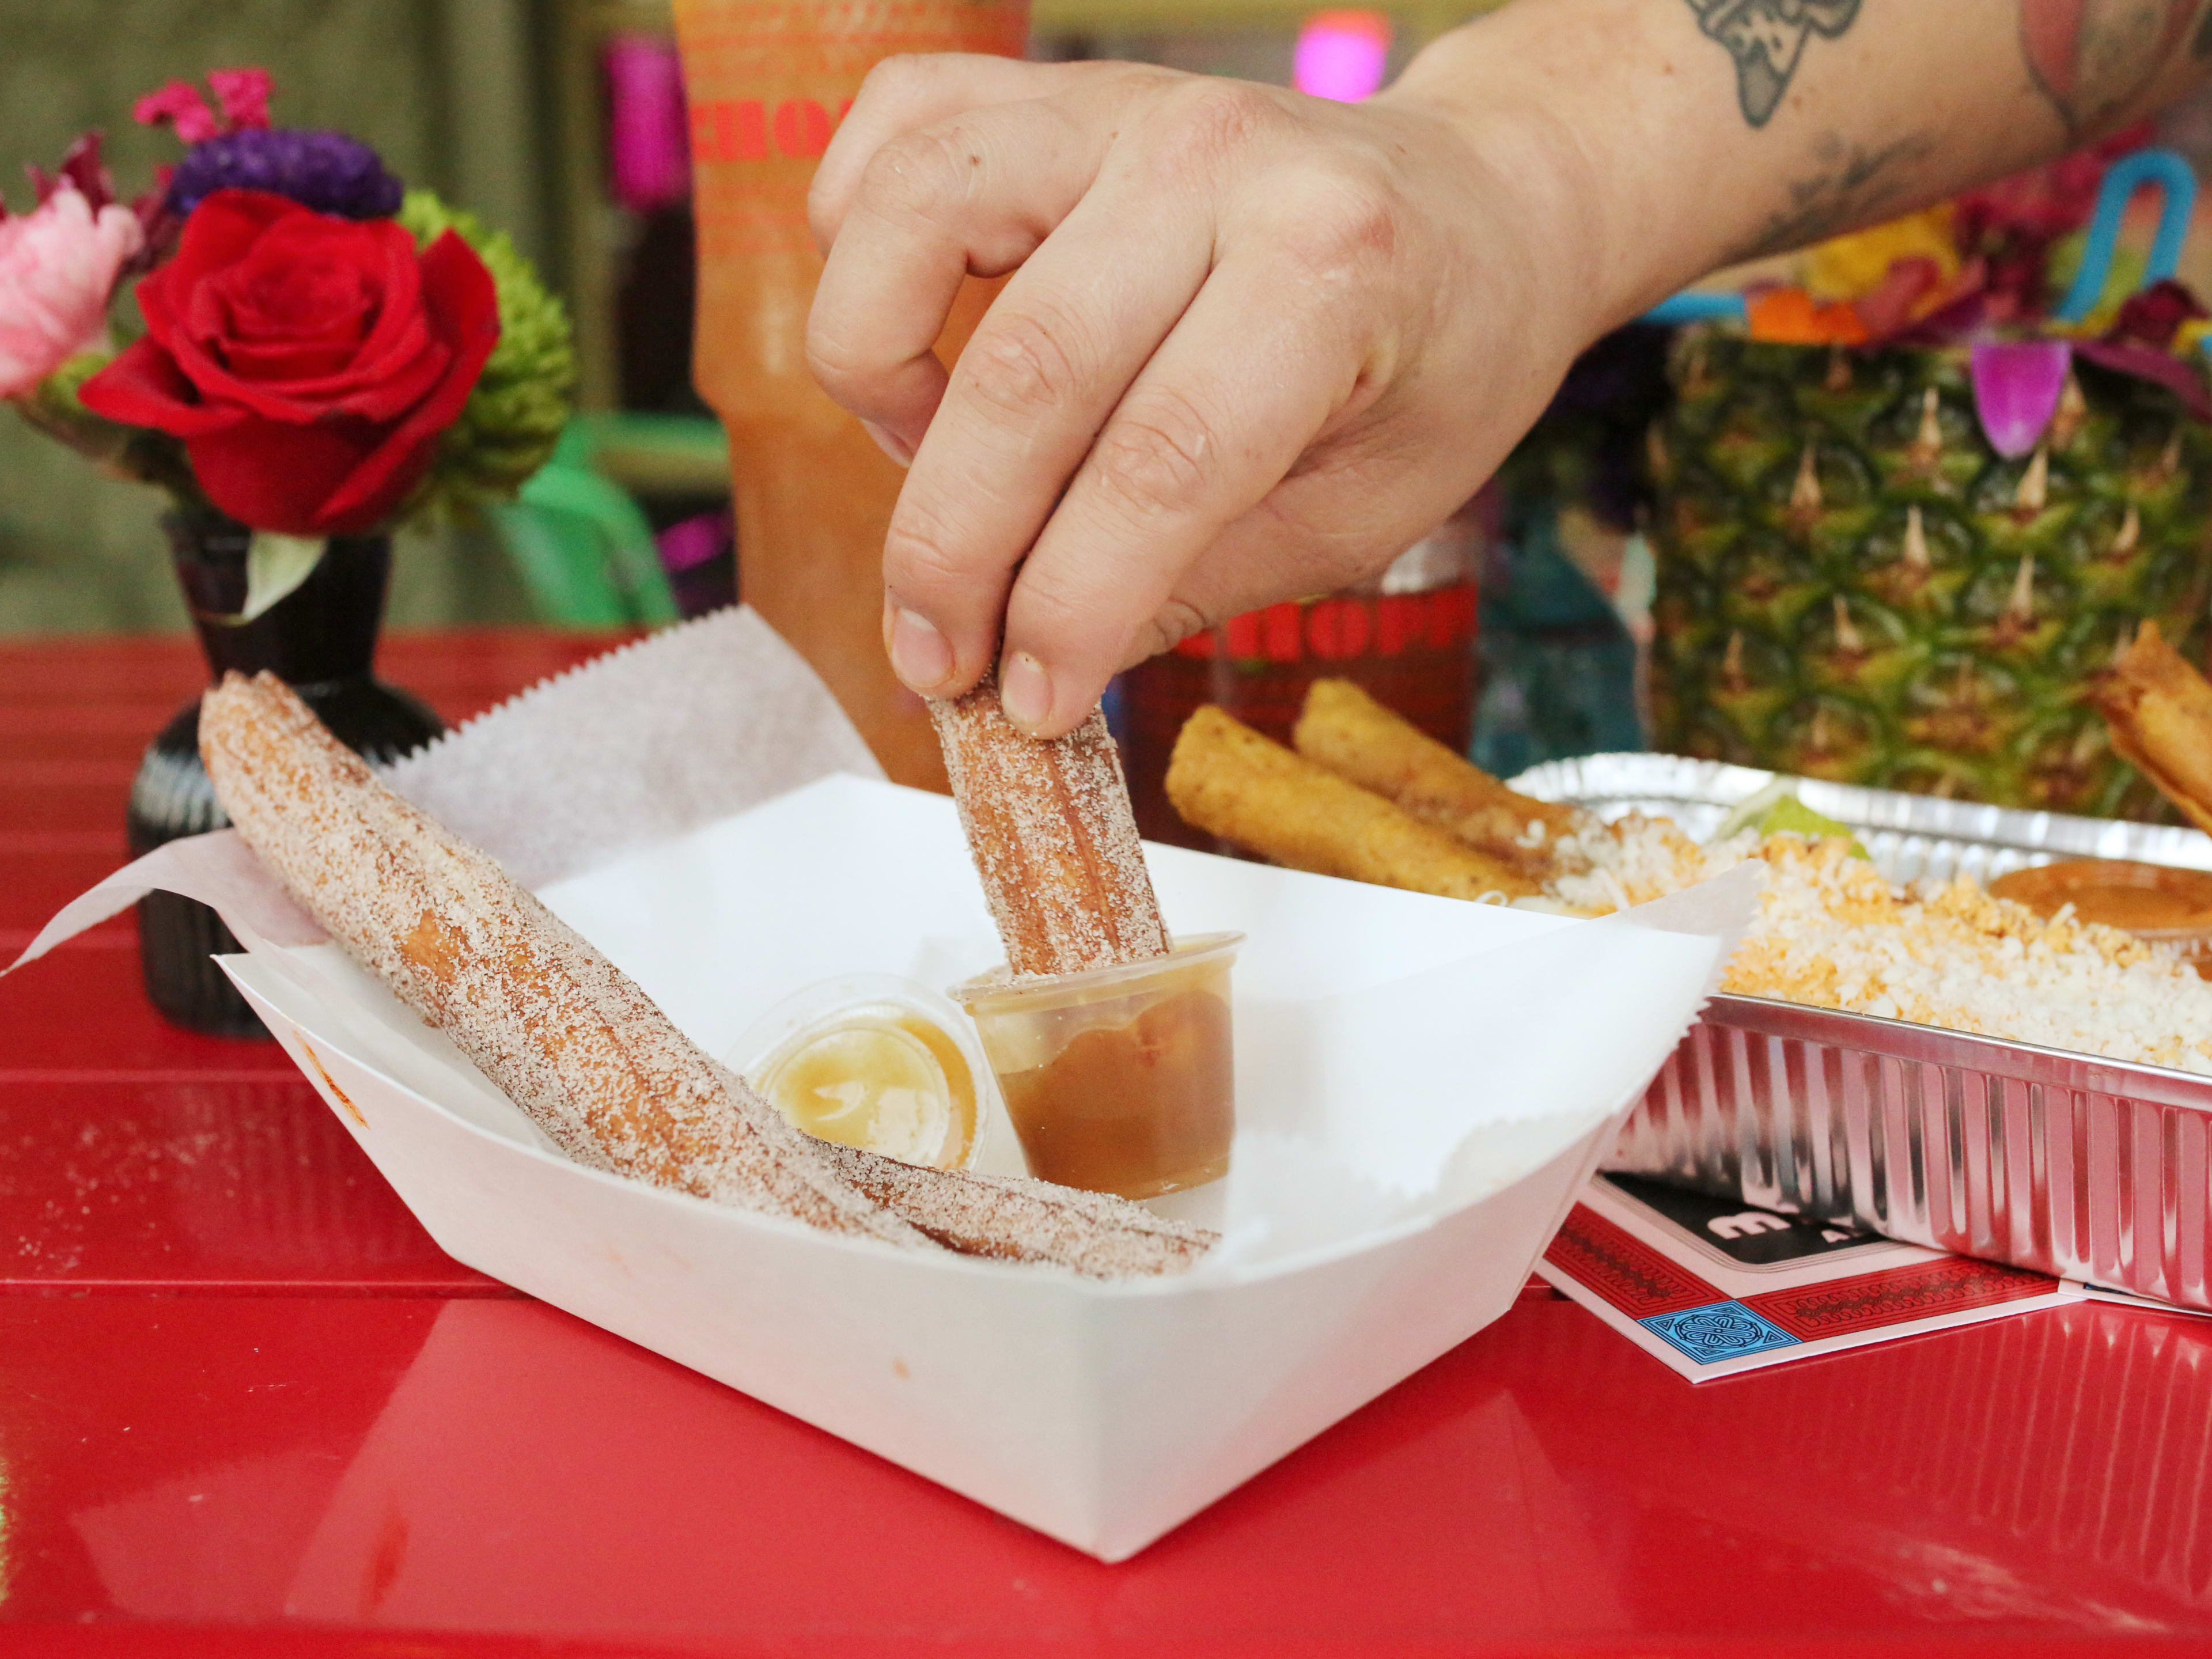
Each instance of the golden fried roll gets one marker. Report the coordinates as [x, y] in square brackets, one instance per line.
[1054, 838]
[1344, 729]
[1227, 780]
[570, 1038]
[2159, 710]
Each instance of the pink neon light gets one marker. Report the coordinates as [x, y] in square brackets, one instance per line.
[1341, 55]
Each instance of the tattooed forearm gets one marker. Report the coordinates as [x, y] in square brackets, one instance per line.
[2092, 58]
[1848, 185]
[1766, 37]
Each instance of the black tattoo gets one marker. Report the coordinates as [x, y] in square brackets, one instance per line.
[1766, 37]
[1849, 184]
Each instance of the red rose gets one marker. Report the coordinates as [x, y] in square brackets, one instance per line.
[309, 363]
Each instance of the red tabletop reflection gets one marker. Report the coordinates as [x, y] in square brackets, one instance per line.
[247, 1407]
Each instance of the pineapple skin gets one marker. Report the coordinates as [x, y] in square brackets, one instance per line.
[1853, 584]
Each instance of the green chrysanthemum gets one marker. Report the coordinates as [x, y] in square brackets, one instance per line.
[129, 452]
[524, 398]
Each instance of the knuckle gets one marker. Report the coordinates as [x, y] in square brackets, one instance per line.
[837, 363]
[918, 175]
[894, 80]
[1207, 123]
[1176, 621]
[1154, 457]
[1023, 365]
[1343, 225]
[920, 554]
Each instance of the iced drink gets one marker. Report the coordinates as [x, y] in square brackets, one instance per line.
[767, 82]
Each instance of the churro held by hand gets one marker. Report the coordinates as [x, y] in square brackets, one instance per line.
[570, 1038]
[1226, 778]
[2159, 710]
[1345, 730]
[1054, 838]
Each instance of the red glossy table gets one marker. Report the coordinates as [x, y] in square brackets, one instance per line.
[247, 1408]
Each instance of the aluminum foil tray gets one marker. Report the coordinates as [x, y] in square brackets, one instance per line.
[2066, 1164]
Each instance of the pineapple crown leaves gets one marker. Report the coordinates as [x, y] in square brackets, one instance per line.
[525, 395]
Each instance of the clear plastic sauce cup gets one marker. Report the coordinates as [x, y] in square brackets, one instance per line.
[1117, 1079]
[874, 1061]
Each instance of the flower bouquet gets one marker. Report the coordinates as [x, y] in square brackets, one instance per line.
[327, 356]
[1908, 512]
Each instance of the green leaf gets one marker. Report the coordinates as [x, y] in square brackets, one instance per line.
[1792, 816]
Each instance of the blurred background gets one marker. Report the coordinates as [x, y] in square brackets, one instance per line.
[561, 121]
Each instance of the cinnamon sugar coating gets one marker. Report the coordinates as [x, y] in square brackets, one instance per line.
[1054, 838]
[1016, 1218]
[570, 1038]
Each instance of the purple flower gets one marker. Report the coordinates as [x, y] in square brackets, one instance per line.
[328, 172]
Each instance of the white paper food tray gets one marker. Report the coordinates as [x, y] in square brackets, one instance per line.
[1423, 1086]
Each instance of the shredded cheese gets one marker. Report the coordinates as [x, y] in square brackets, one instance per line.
[1833, 932]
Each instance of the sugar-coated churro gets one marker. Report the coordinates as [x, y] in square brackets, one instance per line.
[1345, 730]
[1229, 780]
[1054, 838]
[572, 1040]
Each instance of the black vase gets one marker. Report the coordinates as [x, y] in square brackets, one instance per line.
[320, 638]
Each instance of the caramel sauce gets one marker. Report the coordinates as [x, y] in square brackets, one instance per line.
[2151, 900]
[2143, 898]
[852, 1081]
[1138, 1110]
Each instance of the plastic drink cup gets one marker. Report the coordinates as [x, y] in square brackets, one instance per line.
[767, 82]
[1117, 1079]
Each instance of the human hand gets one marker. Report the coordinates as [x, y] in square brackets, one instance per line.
[1255, 345]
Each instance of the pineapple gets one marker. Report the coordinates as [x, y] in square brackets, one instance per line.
[1854, 586]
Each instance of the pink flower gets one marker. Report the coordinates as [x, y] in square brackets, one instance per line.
[180, 104]
[242, 92]
[58, 266]
[244, 95]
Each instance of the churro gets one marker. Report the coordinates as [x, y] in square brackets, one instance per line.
[572, 1040]
[1055, 841]
[2159, 710]
[1229, 780]
[1345, 730]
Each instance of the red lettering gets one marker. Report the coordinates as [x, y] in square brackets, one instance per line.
[1337, 628]
[1451, 618]
[1200, 644]
[729, 130]
[1241, 635]
[752, 141]
[1395, 623]
[704, 136]
[802, 127]
[1279, 629]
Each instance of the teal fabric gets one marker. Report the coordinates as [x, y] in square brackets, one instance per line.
[1559, 668]
[583, 549]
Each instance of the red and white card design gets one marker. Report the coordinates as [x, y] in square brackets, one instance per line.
[1714, 1287]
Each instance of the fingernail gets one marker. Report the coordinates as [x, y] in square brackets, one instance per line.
[920, 656]
[1026, 691]
[896, 447]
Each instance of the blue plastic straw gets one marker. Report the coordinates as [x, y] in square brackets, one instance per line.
[1695, 308]
[2176, 183]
